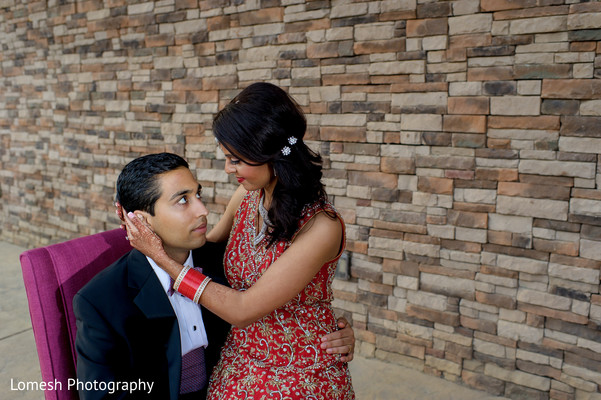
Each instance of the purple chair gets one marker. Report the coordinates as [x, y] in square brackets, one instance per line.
[52, 276]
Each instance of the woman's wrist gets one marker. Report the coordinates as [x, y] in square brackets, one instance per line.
[169, 265]
[161, 257]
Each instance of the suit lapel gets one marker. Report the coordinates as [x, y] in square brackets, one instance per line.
[151, 298]
[152, 301]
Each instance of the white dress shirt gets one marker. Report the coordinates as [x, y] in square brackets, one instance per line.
[189, 316]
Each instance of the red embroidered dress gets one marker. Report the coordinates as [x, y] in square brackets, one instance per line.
[278, 357]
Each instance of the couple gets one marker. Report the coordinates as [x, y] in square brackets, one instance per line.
[283, 241]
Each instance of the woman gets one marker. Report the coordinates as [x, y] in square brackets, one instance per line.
[284, 241]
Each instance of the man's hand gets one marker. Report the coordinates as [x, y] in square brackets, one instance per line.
[341, 342]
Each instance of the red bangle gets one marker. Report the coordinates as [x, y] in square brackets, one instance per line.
[200, 290]
[181, 275]
[190, 283]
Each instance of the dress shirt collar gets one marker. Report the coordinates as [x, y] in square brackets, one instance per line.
[164, 277]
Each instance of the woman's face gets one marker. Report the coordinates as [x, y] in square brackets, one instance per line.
[252, 177]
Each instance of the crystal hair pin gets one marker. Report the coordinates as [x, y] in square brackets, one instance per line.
[286, 149]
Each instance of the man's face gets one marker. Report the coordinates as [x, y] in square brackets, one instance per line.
[180, 217]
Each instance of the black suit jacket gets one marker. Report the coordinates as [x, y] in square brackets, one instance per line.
[127, 330]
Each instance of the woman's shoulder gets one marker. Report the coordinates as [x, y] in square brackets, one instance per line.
[321, 211]
[321, 221]
[240, 198]
[320, 205]
[246, 198]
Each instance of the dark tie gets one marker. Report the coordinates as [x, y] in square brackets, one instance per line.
[194, 374]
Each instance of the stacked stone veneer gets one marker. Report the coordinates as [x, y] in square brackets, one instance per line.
[461, 140]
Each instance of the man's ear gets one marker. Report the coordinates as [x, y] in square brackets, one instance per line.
[144, 216]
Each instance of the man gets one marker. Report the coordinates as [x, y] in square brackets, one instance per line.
[135, 337]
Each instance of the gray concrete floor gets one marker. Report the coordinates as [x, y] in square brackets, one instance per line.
[372, 379]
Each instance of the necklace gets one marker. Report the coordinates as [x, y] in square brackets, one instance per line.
[264, 214]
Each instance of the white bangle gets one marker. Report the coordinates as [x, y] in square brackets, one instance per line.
[201, 289]
[180, 277]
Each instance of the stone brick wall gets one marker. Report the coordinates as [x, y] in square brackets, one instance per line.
[462, 142]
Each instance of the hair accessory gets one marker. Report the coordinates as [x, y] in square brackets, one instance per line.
[286, 150]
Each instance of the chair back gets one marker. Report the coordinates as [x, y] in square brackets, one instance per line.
[52, 276]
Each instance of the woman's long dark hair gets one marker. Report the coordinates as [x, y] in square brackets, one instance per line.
[256, 125]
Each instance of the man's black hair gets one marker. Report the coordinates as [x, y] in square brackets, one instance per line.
[137, 185]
